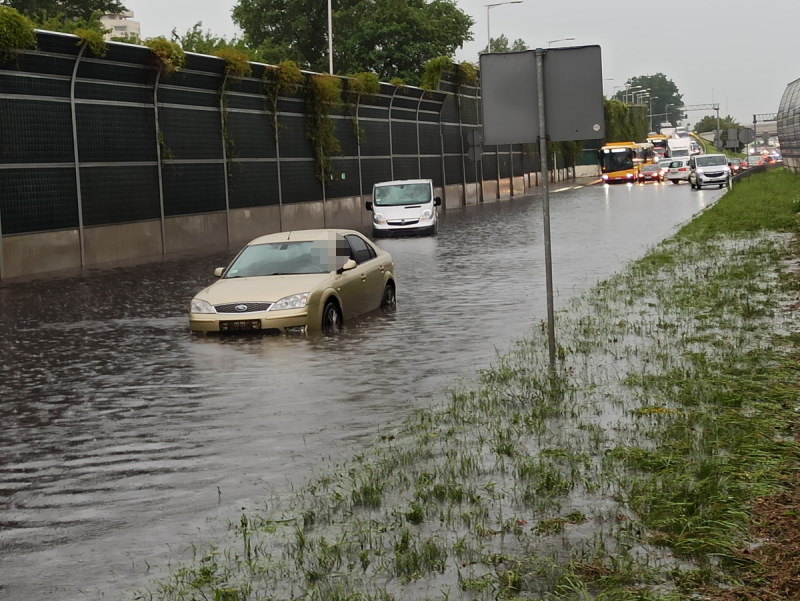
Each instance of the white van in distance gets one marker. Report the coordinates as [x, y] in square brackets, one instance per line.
[404, 206]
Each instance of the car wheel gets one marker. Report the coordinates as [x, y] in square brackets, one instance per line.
[389, 300]
[331, 319]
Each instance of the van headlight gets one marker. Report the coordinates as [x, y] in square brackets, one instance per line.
[426, 214]
[295, 301]
[378, 218]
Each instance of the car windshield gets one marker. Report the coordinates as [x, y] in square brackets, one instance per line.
[402, 194]
[285, 258]
[711, 161]
[650, 168]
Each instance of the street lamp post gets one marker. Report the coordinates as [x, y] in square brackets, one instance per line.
[630, 89]
[559, 40]
[488, 29]
[651, 111]
[330, 38]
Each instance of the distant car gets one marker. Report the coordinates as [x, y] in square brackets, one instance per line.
[650, 173]
[754, 161]
[297, 282]
[708, 170]
[736, 165]
[678, 170]
[663, 164]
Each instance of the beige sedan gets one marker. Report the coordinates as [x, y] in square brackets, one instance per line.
[297, 282]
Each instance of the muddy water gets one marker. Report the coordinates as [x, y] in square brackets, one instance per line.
[123, 439]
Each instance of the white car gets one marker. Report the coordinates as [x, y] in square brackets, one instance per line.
[678, 170]
[709, 170]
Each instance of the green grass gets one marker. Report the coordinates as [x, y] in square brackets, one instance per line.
[627, 473]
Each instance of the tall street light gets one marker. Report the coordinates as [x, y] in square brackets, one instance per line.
[488, 29]
[651, 111]
[330, 38]
[559, 40]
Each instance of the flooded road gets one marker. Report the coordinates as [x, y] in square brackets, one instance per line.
[124, 439]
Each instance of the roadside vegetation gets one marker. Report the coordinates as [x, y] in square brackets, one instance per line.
[658, 460]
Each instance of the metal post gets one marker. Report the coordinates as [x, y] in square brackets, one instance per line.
[222, 117]
[75, 151]
[330, 38]
[548, 263]
[159, 138]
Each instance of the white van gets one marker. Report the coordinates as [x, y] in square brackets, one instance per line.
[404, 206]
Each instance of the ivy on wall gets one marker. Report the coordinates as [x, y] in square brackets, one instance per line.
[16, 32]
[323, 92]
[170, 54]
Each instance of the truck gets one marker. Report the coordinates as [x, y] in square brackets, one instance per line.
[679, 147]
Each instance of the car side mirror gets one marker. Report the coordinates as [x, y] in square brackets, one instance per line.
[218, 272]
[368, 204]
[348, 265]
[437, 201]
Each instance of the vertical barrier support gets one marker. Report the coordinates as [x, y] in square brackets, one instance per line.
[358, 148]
[159, 137]
[419, 154]
[461, 141]
[391, 144]
[75, 151]
[222, 118]
[511, 167]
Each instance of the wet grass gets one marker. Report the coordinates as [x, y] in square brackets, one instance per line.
[629, 473]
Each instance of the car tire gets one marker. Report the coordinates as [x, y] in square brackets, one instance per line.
[331, 319]
[389, 299]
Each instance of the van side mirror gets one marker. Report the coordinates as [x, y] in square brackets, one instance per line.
[437, 201]
[368, 204]
[218, 272]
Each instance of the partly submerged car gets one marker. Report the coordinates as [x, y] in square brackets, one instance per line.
[297, 282]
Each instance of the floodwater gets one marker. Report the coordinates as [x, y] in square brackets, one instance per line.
[124, 439]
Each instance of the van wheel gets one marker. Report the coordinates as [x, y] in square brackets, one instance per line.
[331, 319]
[389, 300]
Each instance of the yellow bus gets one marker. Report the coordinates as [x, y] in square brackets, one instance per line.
[660, 146]
[621, 161]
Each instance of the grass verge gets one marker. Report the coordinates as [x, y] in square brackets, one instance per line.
[632, 471]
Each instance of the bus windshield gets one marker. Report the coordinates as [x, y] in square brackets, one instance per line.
[616, 159]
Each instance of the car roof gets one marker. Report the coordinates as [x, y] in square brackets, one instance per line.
[402, 181]
[303, 236]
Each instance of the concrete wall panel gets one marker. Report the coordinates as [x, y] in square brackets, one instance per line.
[38, 253]
[195, 231]
[247, 224]
[110, 243]
[343, 212]
[454, 194]
[303, 216]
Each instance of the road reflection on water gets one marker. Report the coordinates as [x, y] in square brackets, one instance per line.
[124, 438]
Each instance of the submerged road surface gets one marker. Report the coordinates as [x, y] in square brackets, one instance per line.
[124, 439]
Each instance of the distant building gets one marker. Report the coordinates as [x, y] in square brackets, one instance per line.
[121, 25]
[789, 126]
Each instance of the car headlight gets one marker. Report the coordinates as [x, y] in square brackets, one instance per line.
[200, 306]
[426, 214]
[378, 218]
[295, 301]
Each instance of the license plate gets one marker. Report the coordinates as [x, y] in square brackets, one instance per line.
[240, 325]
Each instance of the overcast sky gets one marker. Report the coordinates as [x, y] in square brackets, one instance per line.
[738, 53]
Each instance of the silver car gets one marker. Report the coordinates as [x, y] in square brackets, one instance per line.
[709, 170]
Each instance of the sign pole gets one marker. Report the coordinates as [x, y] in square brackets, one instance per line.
[548, 263]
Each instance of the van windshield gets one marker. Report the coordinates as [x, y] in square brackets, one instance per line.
[402, 194]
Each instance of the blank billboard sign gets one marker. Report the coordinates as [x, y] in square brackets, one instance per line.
[573, 95]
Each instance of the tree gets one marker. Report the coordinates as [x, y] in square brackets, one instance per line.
[501, 45]
[70, 10]
[205, 42]
[663, 93]
[392, 38]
